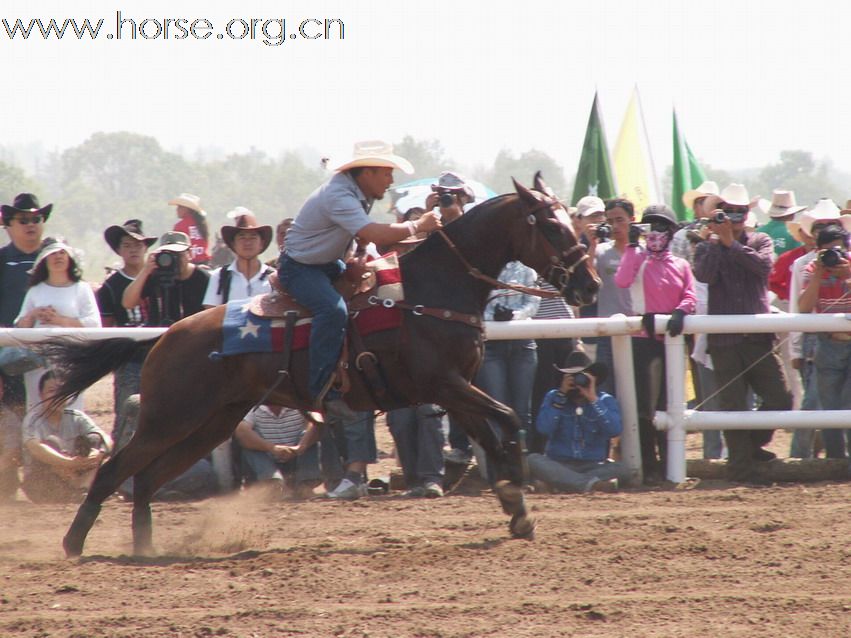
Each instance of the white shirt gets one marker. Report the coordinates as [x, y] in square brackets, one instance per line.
[76, 300]
[796, 286]
[240, 287]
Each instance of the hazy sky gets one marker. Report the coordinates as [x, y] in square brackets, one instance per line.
[748, 79]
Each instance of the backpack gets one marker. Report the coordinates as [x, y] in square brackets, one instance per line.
[226, 275]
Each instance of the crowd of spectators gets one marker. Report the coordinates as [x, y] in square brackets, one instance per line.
[561, 390]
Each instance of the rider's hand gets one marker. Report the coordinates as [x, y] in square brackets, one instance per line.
[428, 222]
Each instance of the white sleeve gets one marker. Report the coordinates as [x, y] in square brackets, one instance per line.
[89, 312]
[211, 297]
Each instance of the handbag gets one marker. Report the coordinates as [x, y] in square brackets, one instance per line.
[15, 360]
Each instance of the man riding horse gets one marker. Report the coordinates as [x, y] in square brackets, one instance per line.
[317, 243]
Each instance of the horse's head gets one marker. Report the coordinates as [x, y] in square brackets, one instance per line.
[551, 245]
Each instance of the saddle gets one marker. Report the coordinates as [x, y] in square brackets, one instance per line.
[359, 282]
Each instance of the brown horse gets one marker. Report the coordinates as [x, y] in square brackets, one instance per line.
[192, 403]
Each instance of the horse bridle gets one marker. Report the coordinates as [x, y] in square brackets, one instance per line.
[556, 263]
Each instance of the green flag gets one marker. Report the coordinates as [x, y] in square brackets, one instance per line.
[594, 175]
[687, 173]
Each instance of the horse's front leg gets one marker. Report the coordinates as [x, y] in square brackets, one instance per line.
[473, 409]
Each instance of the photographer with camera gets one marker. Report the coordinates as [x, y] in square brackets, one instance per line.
[827, 288]
[735, 264]
[169, 287]
[579, 423]
[449, 195]
[659, 283]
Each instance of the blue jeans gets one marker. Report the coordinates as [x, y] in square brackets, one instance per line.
[356, 439]
[418, 434]
[313, 287]
[262, 466]
[802, 439]
[508, 374]
[833, 376]
[574, 476]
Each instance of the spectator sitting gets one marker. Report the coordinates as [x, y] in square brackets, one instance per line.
[278, 447]
[579, 425]
[57, 298]
[63, 449]
[10, 447]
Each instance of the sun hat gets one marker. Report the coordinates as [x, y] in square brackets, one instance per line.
[783, 203]
[131, 228]
[188, 200]
[245, 220]
[707, 188]
[24, 203]
[174, 241]
[53, 245]
[824, 210]
[589, 205]
[736, 195]
[376, 153]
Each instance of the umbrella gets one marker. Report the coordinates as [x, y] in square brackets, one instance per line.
[414, 193]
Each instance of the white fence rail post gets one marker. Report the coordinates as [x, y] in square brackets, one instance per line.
[675, 374]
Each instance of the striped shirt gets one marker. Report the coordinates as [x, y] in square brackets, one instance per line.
[285, 428]
[552, 307]
[834, 294]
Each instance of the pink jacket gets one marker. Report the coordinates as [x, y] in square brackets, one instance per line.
[667, 284]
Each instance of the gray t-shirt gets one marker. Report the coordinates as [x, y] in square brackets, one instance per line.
[612, 299]
[324, 227]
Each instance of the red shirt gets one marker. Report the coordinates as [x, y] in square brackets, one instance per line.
[781, 273]
[198, 252]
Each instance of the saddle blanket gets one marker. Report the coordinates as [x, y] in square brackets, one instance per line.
[244, 332]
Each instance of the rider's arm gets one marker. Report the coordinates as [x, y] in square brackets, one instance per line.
[383, 234]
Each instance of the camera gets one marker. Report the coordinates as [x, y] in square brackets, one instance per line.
[581, 380]
[603, 232]
[446, 199]
[168, 265]
[719, 217]
[830, 257]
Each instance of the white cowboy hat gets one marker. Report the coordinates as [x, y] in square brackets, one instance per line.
[783, 203]
[189, 201]
[707, 188]
[376, 153]
[825, 210]
[736, 195]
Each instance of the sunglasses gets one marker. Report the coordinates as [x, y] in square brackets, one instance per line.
[26, 221]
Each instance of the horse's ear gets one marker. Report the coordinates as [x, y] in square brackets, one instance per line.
[542, 186]
[526, 195]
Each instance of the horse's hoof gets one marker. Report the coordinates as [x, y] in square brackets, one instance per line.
[523, 527]
[510, 497]
[72, 549]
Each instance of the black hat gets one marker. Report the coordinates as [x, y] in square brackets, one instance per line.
[578, 361]
[24, 203]
[130, 228]
[659, 212]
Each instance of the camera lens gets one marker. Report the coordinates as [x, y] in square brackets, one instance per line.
[830, 257]
[720, 217]
[581, 380]
[446, 200]
[164, 260]
[604, 231]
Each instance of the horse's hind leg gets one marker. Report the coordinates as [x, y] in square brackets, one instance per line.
[129, 460]
[172, 463]
[475, 408]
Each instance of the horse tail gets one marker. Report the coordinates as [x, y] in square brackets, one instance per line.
[80, 364]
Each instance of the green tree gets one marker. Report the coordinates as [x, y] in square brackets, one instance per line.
[523, 168]
[14, 180]
[427, 156]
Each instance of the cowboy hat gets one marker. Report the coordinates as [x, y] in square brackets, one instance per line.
[578, 361]
[376, 153]
[131, 228]
[53, 245]
[24, 203]
[783, 203]
[245, 220]
[450, 181]
[174, 241]
[736, 195]
[188, 200]
[707, 188]
[824, 210]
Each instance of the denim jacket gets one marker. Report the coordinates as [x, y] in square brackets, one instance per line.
[578, 437]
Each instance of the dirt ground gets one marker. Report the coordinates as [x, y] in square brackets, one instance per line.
[713, 560]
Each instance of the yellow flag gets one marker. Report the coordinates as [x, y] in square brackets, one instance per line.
[633, 162]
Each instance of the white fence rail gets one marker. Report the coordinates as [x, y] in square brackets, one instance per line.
[676, 420]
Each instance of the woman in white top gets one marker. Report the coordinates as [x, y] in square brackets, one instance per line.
[57, 298]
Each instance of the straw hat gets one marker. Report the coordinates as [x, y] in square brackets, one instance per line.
[376, 153]
[707, 188]
[825, 210]
[189, 201]
[783, 203]
[736, 195]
